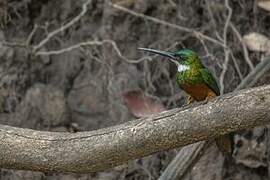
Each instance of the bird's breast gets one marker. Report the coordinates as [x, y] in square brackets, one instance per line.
[190, 76]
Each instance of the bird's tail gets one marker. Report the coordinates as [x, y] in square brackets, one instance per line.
[225, 144]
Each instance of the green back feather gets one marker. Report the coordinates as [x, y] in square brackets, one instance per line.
[210, 80]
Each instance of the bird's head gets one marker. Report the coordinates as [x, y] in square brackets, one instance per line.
[181, 58]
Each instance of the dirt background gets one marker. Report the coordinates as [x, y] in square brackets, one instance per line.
[83, 89]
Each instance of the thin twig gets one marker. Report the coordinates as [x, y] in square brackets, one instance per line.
[244, 47]
[91, 43]
[236, 66]
[209, 9]
[30, 37]
[226, 51]
[70, 23]
[14, 44]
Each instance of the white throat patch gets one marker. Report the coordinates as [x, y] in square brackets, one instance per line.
[182, 68]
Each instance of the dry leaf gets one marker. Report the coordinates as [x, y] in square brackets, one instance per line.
[264, 5]
[257, 42]
[141, 105]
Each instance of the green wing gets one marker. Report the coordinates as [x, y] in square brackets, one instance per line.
[209, 79]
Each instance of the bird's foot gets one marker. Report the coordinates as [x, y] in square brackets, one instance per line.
[190, 100]
[205, 101]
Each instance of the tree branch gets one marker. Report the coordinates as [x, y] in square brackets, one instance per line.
[93, 151]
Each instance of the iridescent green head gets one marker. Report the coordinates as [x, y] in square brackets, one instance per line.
[182, 57]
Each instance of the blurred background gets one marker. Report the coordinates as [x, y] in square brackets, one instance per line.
[70, 65]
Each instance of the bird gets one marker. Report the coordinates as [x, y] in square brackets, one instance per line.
[197, 81]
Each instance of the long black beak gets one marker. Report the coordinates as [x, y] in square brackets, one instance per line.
[163, 53]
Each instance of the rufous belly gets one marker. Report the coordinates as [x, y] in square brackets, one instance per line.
[199, 92]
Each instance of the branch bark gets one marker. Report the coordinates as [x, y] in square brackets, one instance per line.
[94, 151]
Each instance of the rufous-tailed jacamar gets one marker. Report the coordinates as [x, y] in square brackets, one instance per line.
[197, 81]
